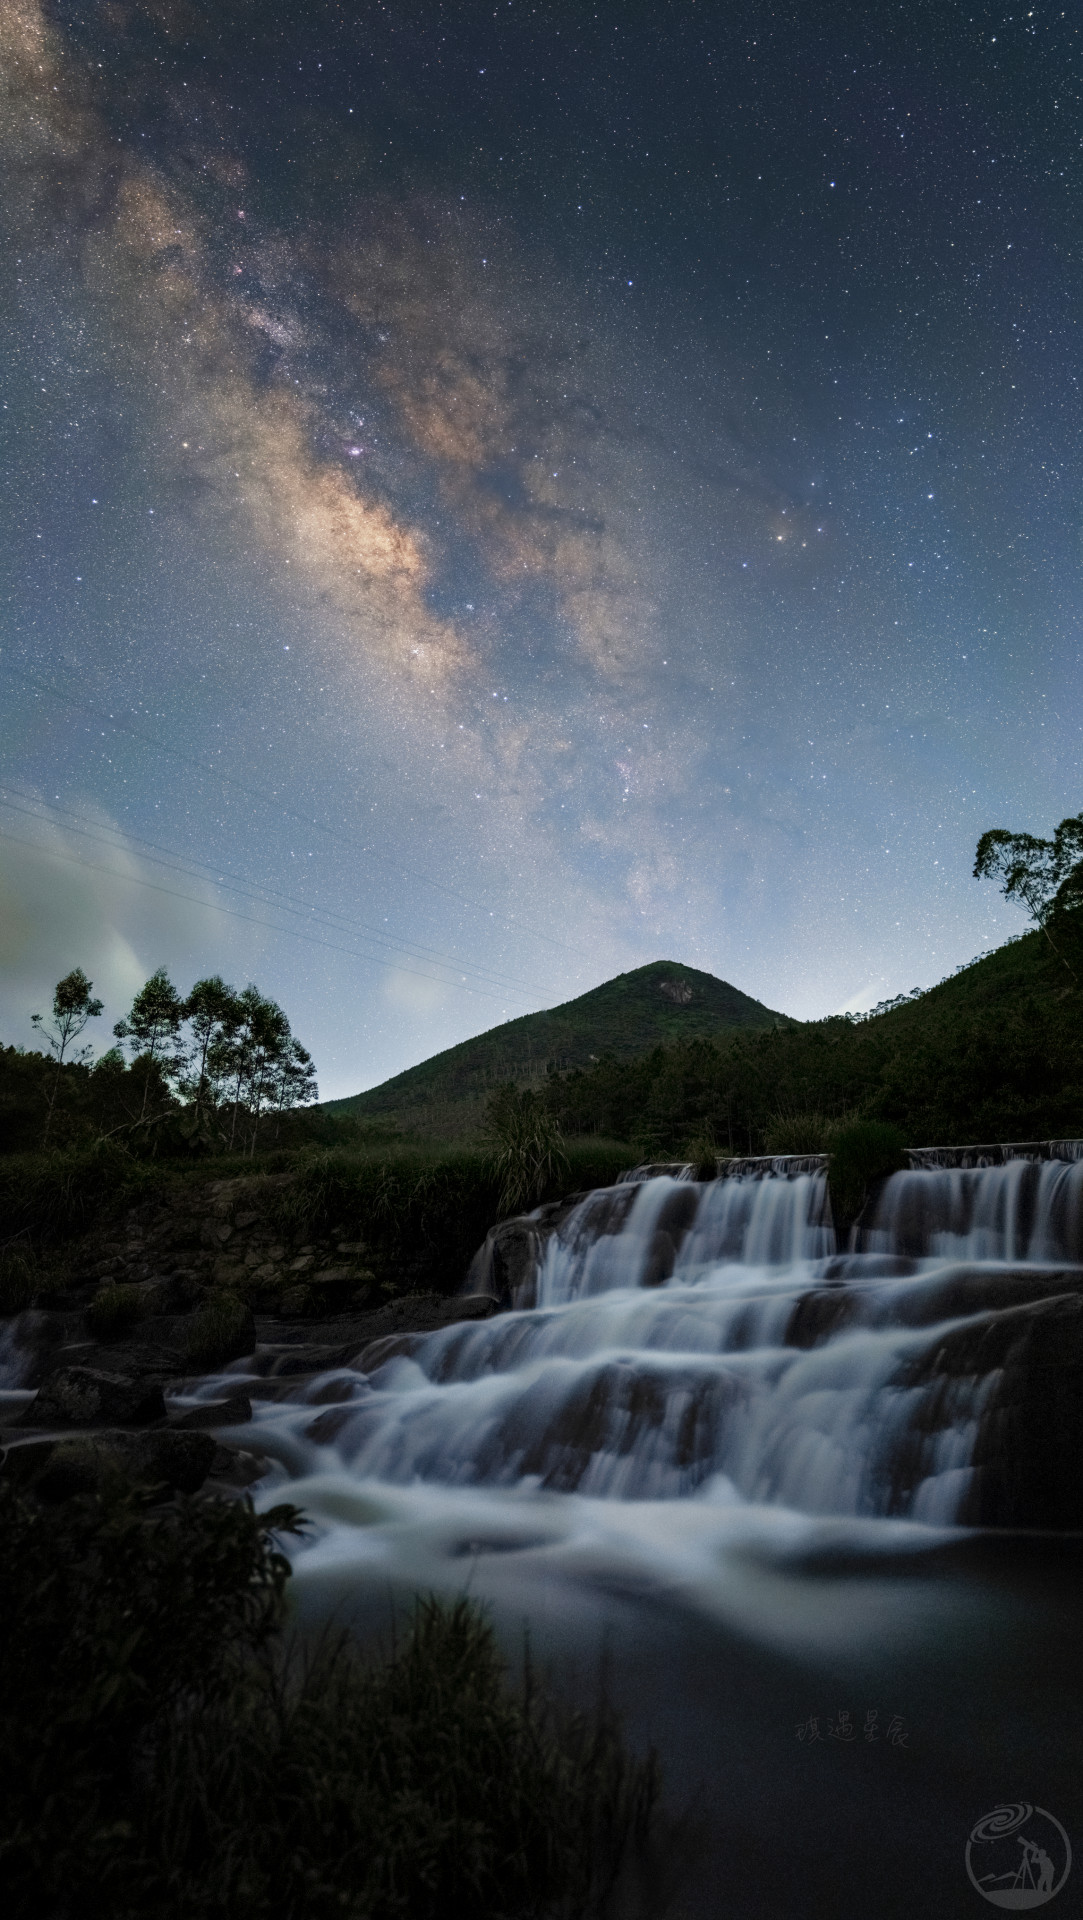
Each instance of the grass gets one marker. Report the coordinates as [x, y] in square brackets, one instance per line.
[526, 1153]
[221, 1329]
[168, 1753]
[424, 1211]
[18, 1277]
[796, 1133]
[114, 1310]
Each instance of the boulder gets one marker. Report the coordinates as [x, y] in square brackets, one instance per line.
[1029, 1443]
[233, 1411]
[87, 1397]
[59, 1469]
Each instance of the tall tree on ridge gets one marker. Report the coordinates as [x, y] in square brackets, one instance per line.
[73, 1006]
[1045, 876]
[152, 1030]
[212, 1012]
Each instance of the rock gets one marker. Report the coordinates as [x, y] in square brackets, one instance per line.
[59, 1469]
[233, 1411]
[238, 1467]
[506, 1265]
[84, 1396]
[1030, 1440]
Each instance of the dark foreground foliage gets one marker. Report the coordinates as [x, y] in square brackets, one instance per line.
[165, 1753]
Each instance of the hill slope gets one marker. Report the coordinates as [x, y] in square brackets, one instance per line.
[659, 1004]
[995, 1052]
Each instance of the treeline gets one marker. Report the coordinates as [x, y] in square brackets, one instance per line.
[995, 1053]
[206, 1070]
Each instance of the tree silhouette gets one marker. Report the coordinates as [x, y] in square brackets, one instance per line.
[1045, 876]
[73, 1006]
[152, 1031]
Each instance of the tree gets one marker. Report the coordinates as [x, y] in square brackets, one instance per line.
[258, 1052]
[73, 1006]
[1045, 876]
[293, 1082]
[152, 1031]
[212, 1012]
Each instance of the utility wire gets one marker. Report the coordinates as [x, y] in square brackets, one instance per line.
[272, 800]
[264, 896]
[91, 866]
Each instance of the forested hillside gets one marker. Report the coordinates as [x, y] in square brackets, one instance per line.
[660, 1004]
[995, 1052]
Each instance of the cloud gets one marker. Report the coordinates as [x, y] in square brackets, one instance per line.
[65, 903]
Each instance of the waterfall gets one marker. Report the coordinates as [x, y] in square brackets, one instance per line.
[680, 1338]
[1022, 1210]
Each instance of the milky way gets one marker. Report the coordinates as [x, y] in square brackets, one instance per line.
[494, 497]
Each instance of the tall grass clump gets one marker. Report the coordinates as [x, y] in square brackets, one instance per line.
[221, 1329]
[796, 1132]
[861, 1153]
[167, 1753]
[18, 1277]
[54, 1196]
[113, 1310]
[527, 1150]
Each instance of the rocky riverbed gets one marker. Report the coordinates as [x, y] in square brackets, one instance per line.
[99, 1371]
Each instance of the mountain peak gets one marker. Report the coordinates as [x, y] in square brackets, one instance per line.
[653, 1005]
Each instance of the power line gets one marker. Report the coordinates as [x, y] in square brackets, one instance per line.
[90, 866]
[266, 896]
[272, 800]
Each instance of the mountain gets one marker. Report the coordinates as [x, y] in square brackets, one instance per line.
[655, 1005]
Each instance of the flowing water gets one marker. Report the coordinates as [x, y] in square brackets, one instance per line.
[746, 1466]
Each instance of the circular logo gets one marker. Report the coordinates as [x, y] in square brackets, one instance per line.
[1018, 1856]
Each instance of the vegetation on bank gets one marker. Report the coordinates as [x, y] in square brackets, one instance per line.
[994, 1053]
[168, 1752]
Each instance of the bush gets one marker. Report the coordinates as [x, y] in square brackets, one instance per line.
[53, 1196]
[861, 1152]
[166, 1755]
[114, 1310]
[112, 1618]
[222, 1329]
[18, 1279]
[796, 1132]
[527, 1152]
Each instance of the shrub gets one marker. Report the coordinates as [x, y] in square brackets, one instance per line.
[114, 1310]
[165, 1754]
[701, 1152]
[796, 1132]
[861, 1152]
[18, 1279]
[222, 1329]
[53, 1196]
[527, 1153]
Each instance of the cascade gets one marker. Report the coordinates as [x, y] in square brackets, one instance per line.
[676, 1338]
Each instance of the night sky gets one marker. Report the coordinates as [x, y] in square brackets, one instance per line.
[494, 495]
